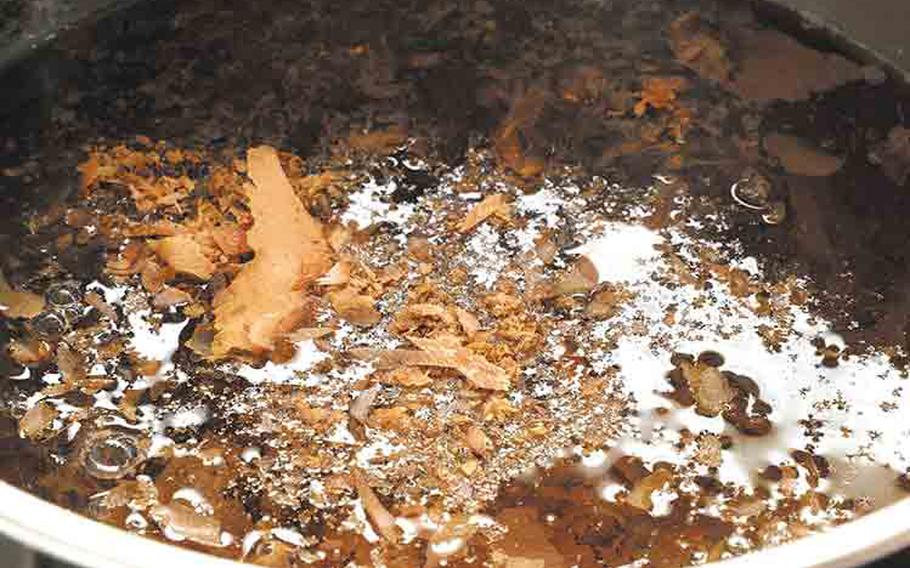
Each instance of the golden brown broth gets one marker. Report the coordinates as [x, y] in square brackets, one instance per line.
[445, 100]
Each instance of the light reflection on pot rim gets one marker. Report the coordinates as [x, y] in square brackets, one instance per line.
[90, 544]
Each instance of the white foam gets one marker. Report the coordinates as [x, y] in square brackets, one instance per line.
[366, 206]
[622, 252]
[155, 345]
[862, 395]
[112, 294]
[305, 358]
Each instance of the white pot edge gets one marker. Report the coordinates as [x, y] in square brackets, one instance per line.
[78, 540]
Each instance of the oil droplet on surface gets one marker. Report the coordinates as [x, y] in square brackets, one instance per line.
[753, 191]
[776, 213]
[110, 454]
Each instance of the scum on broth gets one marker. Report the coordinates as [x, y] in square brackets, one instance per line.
[592, 312]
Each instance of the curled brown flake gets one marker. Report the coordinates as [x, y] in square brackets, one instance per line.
[37, 423]
[445, 353]
[495, 205]
[580, 278]
[132, 169]
[478, 441]
[265, 301]
[71, 365]
[749, 424]
[95, 300]
[708, 386]
[475, 368]
[469, 323]
[18, 303]
[606, 303]
[338, 275]
[305, 333]
[396, 419]
[423, 317]
[817, 467]
[200, 342]
[377, 141]
[640, 495]
[185, 254]
[747, 412]
[363, 403]
[353, 307]
[407, 377]
[129, 259]
[660, 93]
[181, 519]
[383, 521]
[320, 419]
[170, 296]
[29, 350]
[139, 493]
[629, 470]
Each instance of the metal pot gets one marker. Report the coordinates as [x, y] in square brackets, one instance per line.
[878, 27]
[83, 542]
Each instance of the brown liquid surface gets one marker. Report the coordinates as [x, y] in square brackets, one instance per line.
[592, 98]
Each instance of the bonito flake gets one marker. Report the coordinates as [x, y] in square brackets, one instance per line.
[267, 298]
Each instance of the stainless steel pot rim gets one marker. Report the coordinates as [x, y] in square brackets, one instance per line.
[55, 531]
